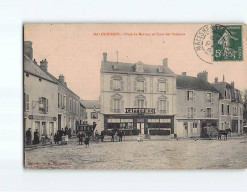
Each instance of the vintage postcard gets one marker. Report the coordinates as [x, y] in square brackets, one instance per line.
[135, 96]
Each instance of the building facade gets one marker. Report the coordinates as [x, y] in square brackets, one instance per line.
[136, 96]
[68, 104]
[197, 105]
[230, 107]
[93, 116]
[40, 102]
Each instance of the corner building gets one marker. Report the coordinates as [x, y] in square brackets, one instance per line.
[138, 97]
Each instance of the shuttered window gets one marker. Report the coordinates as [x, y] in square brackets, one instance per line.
[26, 102]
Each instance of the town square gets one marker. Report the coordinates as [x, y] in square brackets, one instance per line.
[128, 114]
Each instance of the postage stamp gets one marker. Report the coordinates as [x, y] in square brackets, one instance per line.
[214, 43]
[227, 43]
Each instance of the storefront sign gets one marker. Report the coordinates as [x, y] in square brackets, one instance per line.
[140, 110]
[44, 118]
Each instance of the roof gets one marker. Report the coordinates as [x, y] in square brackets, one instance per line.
[31, 68]
[90, 104]
[55, 79]
[106, 66]
[188, 82]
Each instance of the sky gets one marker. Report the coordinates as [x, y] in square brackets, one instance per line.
[76, 51]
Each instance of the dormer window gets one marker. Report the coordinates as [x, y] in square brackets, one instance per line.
[161, 69]
[139, 67]
[114, 66]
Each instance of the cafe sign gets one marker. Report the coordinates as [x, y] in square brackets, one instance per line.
[140, 110]
[45, 118]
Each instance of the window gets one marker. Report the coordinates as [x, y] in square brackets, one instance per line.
[225, 94]
[64, 101]
[140, 103]
[94, 115]
[209, 97]
[191, 112]
[126, 124]
[140, 86]
[58, 100]
[116, 85]
[163, 106]
[190, 96]
[228, 109]
[116, 106]
[26, 102]
[222, 109]
[162, 87]
[209, 112]
[43, 106]
[70, 104]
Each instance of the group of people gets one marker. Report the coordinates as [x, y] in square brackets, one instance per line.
[61, 137]
[115, 133]
[82, 136]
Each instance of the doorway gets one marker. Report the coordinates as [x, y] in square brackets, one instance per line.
[140, 126]
[59, 122]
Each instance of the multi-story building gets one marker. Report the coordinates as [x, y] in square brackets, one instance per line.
[137, 96]
[92, 108]
[230, 106]
[68, 103]
[40, 91]
[197, 105]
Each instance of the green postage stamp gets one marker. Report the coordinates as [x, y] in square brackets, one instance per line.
[227, 43]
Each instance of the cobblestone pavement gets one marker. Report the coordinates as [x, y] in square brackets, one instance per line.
[171, 154]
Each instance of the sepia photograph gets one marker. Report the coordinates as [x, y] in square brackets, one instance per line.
[134, 96]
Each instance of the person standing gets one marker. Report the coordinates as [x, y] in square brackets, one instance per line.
[86, 141]
[120, 134]
[55, 138]
[36, 137]
[80, 137]
[51, 138]
[28, 136]
[66, 139]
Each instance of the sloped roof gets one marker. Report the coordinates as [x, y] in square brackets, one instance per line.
[31, 68]
[90, 104]
[129, 68]
[194, 83]
[55, 79]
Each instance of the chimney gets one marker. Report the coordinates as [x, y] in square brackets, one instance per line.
[43, 65]
[203, 75]
[165, 62]
[104, 56]
[184, 73]
[223, 78]
[35, 62]
[61, 78]
[232, 84]
[28, 49]
[216, 80]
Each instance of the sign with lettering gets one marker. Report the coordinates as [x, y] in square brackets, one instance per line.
[45, 118]
[140, 110]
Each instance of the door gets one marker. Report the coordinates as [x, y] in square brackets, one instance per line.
[37, 126]
[186, 130]
[140, 126]
[59, 122]
[51, 128]
[43, 128]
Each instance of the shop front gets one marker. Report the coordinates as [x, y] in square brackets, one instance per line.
[137, 121]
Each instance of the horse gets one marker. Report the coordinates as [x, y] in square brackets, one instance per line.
[224, 132]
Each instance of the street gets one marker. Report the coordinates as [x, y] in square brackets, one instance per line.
[169, 154]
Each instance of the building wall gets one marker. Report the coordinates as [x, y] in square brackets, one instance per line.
[69, 115]
[128, 92]
[199, 102]
[36, 89]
